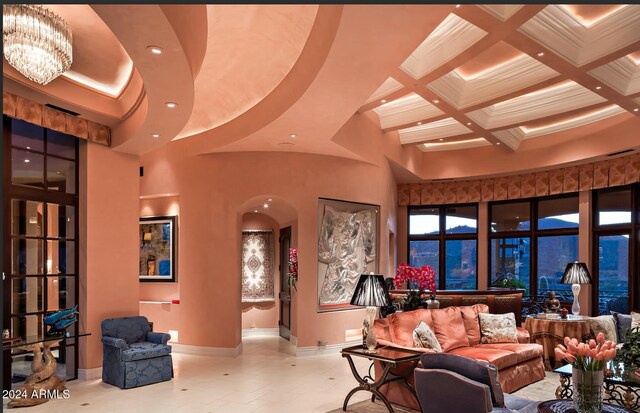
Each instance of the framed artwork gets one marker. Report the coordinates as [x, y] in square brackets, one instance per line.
[157, 236]
[347, 247]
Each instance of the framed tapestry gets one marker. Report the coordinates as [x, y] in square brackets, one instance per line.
[347, 247]
[257, 266]
[157, 236]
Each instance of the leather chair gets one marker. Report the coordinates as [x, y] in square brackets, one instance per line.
[451, 383]
[133, 355]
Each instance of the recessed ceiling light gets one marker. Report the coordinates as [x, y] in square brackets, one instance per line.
[441, 139]
[293, 136]
[636, 109]
[598, 87]
[383, 101]
[419, 123]
[468, 123]
[269, 200]
[27, 161]
[155, 135]
[58, 172]
[154, 50]
[436, 101]
[540, 54]
[497, 143]
[171, 104]
[28, 147]
[457, 6]
[255, 210]
[265, 206]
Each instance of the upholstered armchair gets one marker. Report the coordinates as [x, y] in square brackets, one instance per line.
[451, 383]
[133, 355]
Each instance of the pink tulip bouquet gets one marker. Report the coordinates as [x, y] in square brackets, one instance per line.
[590, 356]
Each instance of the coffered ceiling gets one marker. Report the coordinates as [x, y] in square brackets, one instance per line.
[502, 74]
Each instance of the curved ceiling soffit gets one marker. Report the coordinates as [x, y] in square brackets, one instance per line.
[152, 123]
[250, 49]
[102, 84]
[280, 99]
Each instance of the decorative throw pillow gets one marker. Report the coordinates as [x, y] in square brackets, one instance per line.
[635, 319]
[604, 324]
[498, 328]
[623, 323]
[424, 337]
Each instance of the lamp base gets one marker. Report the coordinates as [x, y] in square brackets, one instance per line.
[575, 308]
[370, 341]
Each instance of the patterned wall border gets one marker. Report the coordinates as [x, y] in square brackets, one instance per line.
[612, 172]
[24, 109]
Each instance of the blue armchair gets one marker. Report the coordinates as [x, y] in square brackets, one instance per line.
[133, 355]
[451, 383]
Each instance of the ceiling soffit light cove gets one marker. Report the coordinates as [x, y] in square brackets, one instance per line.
[36, 42]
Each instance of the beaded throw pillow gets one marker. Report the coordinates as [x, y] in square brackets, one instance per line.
[498, 328]
[424, 337]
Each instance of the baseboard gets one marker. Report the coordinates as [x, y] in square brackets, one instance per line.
[206, 351]
[260, 332]
[90, 374]
[320, 350]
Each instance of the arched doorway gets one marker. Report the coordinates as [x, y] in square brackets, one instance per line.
[267, 308]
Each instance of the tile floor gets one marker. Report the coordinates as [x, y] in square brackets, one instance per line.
[266, 378]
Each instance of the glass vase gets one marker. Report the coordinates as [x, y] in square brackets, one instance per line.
[587, 390]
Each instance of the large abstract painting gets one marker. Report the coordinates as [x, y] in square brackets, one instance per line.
[347, 247]
[158, 249]
[257, 266]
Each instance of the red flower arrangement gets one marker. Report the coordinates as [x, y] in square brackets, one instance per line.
[425, 276]
[293, 268]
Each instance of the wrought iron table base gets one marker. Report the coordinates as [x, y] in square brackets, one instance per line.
[620, 394]
[367, 383]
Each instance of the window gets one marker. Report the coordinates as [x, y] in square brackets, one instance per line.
[41, 241]
[446, 238]
[529, 256]
[616, 247]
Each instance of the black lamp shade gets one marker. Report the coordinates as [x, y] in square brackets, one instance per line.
[576, 273]
[371, 291]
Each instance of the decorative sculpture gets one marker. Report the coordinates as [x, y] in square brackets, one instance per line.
[43, 383]
[59, 321]
[552, 304]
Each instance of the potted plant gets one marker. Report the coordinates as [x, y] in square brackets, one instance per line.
[629, 354]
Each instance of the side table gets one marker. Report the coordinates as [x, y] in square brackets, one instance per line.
[389, 358]
[551, 332]
[566, 406]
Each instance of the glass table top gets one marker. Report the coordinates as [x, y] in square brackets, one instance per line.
[615, 373]
[38, 339]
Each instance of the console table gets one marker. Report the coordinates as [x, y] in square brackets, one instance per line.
[43, 383]
[389, 358]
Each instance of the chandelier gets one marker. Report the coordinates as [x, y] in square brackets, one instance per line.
[36, 42]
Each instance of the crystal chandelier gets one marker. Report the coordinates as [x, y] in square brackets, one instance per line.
[36, 42]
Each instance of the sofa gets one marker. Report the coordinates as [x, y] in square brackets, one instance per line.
[133, 355]
[457, 329]
[449, 383]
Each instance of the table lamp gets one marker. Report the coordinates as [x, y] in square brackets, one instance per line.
[576, 273]
[371, 292]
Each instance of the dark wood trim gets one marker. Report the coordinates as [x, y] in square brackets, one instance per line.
[442, 237]
[533, 233]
